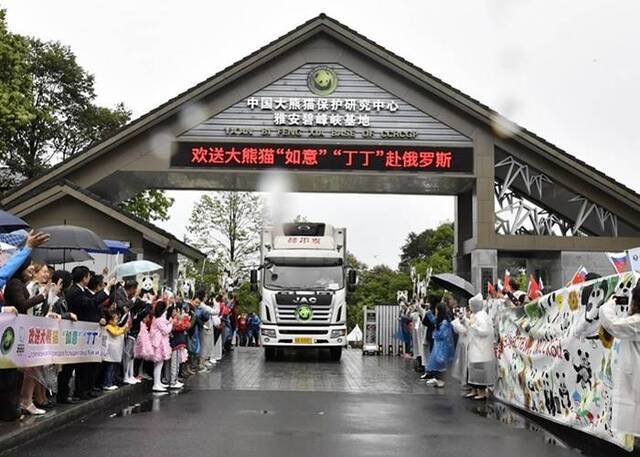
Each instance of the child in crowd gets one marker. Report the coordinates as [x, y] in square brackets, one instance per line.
[142, 349]
[115, 343]
[193, 338]
[178, 341]
[159, 332]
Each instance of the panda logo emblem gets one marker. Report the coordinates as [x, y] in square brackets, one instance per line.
[322, 81]
[8, 338]
[304, 312]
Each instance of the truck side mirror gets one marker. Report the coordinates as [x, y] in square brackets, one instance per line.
[352, 279]
[254, 280]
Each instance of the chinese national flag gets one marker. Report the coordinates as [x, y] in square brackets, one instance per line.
[534, 288]
[491, 291]
[579, 276]
[505, 283]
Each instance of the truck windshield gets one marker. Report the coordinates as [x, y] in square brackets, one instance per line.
[304, 277]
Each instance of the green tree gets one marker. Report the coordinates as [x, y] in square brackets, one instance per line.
[15, 82]
[47, 110]
[353, 262]
[249, 301]
[432, 248]
[150, 205]
[378, 285]
[227, 226]
[205, 273]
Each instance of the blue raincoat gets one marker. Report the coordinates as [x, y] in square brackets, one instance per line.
[443, 351]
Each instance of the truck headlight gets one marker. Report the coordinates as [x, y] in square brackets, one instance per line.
[271, 333]
[338, 333]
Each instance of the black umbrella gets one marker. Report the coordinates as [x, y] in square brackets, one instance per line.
[72, 237]
[10, 223]
[454, 283]
[60, 256]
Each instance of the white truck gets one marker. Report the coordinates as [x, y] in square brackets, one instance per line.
[303, 285]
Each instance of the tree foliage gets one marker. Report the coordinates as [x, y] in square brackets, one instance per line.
[15, 82]
[249, 301]
[431, 248]
[205, 273]
[226, 226]
[47, 109]
[150, 205]
[378, 285]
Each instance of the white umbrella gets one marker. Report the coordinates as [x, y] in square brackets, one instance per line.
[135, 267]
[355, 334]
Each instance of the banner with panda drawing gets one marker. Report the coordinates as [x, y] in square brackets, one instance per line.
[555, 359]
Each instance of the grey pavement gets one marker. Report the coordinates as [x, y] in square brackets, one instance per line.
[307, 406]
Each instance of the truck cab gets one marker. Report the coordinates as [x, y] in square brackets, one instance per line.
[303, 284]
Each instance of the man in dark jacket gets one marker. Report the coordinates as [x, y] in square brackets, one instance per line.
[86, 306]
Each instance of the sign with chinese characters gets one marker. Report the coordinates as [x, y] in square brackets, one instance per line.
[304, 242]
[322, 157]
[321, 102]
[335, 112]
[29, 341]
[321, 117]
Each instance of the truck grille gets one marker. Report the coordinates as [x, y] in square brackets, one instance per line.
[320, 304]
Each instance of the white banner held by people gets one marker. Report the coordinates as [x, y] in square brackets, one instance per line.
[27, 341]
[555, 359]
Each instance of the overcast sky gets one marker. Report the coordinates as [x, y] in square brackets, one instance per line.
[567, 70]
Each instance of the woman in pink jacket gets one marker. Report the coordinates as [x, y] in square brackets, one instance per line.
[161, 349]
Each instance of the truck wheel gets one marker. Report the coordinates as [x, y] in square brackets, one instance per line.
[269, 353]
[336, 354]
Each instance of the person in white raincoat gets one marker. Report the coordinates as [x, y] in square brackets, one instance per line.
[207, 342]
[481, 366]
[625, 417]
[417, 336]
[460, 369]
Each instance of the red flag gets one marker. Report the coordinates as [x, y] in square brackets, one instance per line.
[579, 276]
[491, 291]
[506, 282]
[534, 288]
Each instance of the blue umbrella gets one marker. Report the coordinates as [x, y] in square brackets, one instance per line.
[113, 247]
[10, 223]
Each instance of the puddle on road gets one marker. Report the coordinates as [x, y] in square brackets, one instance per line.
[552, 434]
[147, 405]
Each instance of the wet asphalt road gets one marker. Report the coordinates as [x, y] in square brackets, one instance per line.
[308, 407]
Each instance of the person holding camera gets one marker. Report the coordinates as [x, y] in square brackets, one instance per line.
[625, 417]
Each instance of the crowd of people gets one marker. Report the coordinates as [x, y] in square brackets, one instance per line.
[443, 336]
[163, 337]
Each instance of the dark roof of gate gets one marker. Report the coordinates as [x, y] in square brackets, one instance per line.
[181, 246]
[326, 23]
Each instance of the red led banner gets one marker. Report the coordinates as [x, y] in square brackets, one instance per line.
[322, 157]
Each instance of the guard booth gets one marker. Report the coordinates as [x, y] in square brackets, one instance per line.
[381, 324]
